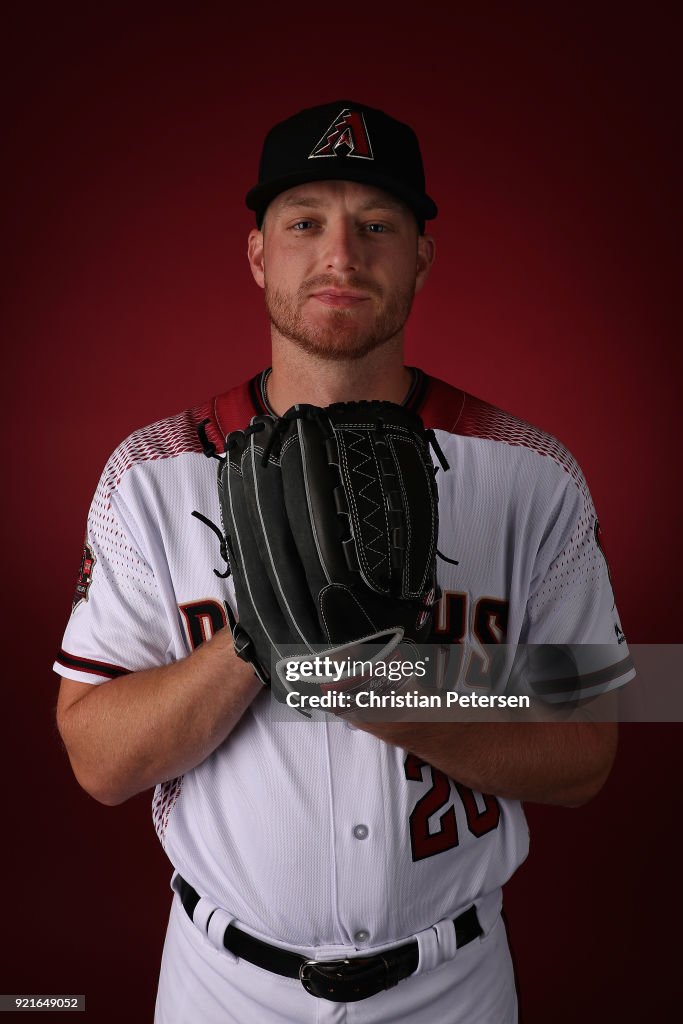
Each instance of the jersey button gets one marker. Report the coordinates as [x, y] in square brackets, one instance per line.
[361, 936]
[361, 831]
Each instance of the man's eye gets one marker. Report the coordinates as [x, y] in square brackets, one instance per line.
[377, 229]
[301, 225]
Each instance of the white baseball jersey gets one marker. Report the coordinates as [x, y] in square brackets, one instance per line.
[315, 834]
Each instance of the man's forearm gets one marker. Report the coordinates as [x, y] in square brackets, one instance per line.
[126, 735]
[562, 763]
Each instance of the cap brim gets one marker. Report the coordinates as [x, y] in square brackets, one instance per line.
[260, 196]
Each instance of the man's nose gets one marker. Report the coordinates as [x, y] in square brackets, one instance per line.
[342, 246]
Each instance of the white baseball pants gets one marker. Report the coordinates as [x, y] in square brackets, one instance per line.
[201, 983]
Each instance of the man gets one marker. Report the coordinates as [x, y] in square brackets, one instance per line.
[292, 841]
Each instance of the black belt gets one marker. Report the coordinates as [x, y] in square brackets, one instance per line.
[342, 981]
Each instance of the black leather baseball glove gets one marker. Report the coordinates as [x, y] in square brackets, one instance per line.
[331, 525]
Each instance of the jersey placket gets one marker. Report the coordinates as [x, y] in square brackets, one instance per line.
[359, 833]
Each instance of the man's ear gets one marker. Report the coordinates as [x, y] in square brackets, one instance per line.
[255, 256]
[426, 251]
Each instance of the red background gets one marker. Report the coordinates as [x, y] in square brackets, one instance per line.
[548, 141]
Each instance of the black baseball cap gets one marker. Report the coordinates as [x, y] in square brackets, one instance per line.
[347, 141]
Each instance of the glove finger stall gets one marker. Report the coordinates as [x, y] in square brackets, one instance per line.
[274, 525]
[259, 612]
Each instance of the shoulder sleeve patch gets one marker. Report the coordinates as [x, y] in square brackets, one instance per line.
[84, 577]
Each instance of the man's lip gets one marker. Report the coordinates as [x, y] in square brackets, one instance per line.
[336, 295]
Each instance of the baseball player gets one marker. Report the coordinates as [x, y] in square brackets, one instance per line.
[326, 871]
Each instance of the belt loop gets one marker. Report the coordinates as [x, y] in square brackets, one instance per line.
[216, 930]
[436, 945]
[445, 933]
[202, 914]
[428, 946]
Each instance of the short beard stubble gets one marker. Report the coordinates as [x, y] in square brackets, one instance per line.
[340, 339]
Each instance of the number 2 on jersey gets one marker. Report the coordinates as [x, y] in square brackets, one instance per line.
[425, 843]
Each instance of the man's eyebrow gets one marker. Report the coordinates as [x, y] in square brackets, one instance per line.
[383, 203]
[301, 201]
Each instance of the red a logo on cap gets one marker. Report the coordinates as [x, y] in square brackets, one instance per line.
[346, 136]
